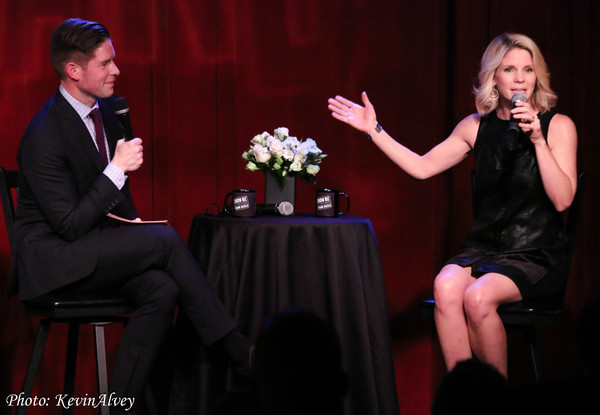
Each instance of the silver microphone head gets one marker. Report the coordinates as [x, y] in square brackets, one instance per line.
[285, 208]
[518, 97]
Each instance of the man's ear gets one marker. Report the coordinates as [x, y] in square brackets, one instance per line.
[73, 71]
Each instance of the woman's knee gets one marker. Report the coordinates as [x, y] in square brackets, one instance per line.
[478, 304]
[449, 287]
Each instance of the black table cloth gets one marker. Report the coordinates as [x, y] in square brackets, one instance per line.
[260, 265]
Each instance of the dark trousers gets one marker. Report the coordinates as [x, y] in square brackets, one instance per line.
[152, 266]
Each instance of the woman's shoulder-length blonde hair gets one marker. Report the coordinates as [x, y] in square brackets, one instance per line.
[486, 95]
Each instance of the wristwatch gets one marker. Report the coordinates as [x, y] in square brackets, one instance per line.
[378, 129]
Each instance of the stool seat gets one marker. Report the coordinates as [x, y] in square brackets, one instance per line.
[515, 313]
[61, 306]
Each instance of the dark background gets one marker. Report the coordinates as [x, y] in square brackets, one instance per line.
[203, 77]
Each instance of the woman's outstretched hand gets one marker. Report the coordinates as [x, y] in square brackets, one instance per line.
[359, 117]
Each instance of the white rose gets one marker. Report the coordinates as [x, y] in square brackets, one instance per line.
[275, 147]
[292, 143]
[309, 146]
[282, 133]
[296, 166]
[261, 154]
[300, 157]
[260, 138]
[312, 146]
[312, 169]
[288, 154]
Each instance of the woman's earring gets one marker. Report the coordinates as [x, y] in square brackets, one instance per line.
[494, 95]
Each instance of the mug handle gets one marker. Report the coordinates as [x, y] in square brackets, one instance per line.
[347, 204]
[226, 207]
[208, 209]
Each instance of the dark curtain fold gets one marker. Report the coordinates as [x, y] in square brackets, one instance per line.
[203, 77]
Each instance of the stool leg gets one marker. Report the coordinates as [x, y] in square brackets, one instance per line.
[532, 344]
[101, 364]
[71, 364]
[34, 362]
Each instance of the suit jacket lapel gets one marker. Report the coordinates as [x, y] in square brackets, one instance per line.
[78, 133]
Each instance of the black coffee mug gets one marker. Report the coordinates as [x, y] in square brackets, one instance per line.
[243, 203]
[328, 203]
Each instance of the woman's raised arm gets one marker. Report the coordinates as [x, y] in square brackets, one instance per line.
[448, 153]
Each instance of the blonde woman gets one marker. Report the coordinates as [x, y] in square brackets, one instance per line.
[516, 247]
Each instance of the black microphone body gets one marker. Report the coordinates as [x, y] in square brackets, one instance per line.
[122, 112]
[512, 133]
[284, 208]
[514, 123]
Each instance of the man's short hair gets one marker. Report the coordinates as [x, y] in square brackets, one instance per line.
[75, 40]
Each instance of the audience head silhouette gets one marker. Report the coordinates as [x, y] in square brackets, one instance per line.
[471, 387]
[297, 365]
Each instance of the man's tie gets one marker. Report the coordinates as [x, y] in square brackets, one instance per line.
[95, 115]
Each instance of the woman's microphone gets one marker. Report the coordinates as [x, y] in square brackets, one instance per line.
[511, 135]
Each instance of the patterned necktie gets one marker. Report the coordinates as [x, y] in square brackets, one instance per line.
[97, 119]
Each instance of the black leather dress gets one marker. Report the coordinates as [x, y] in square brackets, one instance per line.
[516, 231]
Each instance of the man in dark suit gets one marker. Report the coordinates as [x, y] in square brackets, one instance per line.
[68, 182]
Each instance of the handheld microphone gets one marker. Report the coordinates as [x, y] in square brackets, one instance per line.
[122, 112]
[512, 133]
[284, 208]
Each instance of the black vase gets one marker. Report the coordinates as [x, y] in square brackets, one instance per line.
[276, 191]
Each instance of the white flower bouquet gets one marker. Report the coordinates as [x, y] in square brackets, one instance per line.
[284, 155]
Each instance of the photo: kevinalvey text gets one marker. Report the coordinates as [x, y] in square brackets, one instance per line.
[65, 401]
